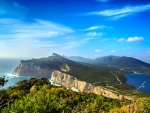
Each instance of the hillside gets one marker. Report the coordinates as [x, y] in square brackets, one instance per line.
[98, 76]
[121, 61]
[39, 96]
[79, 59]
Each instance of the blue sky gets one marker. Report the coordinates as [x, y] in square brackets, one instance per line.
[87, 28]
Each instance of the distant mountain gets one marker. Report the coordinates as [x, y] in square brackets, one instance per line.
[121, 61]
[79, 59]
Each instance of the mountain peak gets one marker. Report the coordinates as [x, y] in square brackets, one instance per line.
[55, 54]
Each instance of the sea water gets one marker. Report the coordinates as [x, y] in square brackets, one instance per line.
[7, 66]
[137, 79]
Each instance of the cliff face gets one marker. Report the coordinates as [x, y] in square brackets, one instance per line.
[28, 68]
[69, 82]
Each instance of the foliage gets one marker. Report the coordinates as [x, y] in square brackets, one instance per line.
[139, 105]
[39, 96]
[49, 99]
[2, 81]
[21, 89]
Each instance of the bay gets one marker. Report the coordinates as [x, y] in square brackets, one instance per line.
[136, 79]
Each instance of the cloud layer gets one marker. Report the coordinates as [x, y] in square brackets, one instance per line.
[119, 13]
[94, 34]
[96, 27]
[13, 28]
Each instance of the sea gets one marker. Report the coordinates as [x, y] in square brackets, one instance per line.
[8, 65]
[139, 79]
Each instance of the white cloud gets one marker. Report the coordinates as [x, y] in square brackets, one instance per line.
[22, 39]
[121, 39]
[98, 50]
[119, 13]
[96, 27]
[13, 28]
[73, 44]
[37, 48]
[135, 39]
[95, 34]
[113, 51]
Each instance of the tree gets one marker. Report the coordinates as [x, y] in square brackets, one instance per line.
[2, 81]
[3, 95]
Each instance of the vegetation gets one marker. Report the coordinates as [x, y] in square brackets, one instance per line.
[120, 61]
[112, 60]
[2, 81]
[140, 105]
[39, 96]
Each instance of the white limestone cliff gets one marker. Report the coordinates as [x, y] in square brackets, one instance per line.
[28, 68]
[70, 81]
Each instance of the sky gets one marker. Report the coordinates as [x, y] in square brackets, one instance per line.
[87, 28]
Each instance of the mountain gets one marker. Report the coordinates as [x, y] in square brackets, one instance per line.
[97, 75]
[79, 59]
[121, 61]
[70, 74]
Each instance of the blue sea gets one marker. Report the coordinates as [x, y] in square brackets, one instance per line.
[7, 66]
[137, 79]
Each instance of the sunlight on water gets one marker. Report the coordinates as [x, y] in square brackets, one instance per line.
[11, 75]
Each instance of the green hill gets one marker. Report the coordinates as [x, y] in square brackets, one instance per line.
[121, 61]
[97, 75]
[79, 59]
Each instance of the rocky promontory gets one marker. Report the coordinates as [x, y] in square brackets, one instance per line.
[28, 68]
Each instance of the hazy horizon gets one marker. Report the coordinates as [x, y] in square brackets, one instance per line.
[86, 28]
[66, 56]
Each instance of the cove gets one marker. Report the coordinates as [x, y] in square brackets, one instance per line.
[137, 79]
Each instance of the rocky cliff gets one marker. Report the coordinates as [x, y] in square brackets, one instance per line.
[70, 81]
[28, 68]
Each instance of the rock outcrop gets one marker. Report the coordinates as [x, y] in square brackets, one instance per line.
[70, 81]
[28, 68]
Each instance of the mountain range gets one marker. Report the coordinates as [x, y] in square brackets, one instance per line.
[121, 61]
